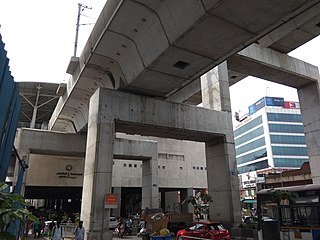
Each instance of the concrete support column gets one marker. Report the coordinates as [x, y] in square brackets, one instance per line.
[24, 153]
[97, 172]
[215, 89]
[184, 193]
[309, 98]
[150, 188]
[223, 182]
[222, 175]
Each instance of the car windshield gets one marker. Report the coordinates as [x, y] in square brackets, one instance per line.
[196, 226]
[216, 226]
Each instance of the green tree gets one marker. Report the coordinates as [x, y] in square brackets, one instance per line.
[76, 217]
[64, 217]
[12, 208]
[279, 196]
[200, 202]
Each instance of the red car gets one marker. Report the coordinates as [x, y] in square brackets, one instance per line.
[204, 230]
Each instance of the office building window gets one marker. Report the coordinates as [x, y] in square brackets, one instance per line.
[289, 162]
[285, 128]
[248, 126]
[253, 167]
[250, 146]
[284, 117]
[290, 151]
[248, 136]
[287, 139]
[252, 156]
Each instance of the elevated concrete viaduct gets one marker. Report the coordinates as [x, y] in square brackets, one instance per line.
[155, 53]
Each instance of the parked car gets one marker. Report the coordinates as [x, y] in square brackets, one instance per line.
[113, 223]
[207, 230]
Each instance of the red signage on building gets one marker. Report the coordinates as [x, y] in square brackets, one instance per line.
[288, 104]
[111, 201]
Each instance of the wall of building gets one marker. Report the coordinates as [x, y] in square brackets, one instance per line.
[181, 164]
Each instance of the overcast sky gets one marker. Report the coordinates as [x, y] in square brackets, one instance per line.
[39, 37]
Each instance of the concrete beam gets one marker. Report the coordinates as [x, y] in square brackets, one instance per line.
[295, 32]
[273, 66]
[169, 119]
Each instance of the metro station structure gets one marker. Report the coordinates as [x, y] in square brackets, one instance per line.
[145, 68]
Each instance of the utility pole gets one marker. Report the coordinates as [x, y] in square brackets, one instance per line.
[81, 7]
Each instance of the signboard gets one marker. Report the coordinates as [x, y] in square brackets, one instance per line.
[294, 105]
[260, 180]
[266, 101]
[274, 101]
[256, 106]
[111, 201]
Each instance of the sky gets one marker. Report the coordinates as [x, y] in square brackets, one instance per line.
[39, 36]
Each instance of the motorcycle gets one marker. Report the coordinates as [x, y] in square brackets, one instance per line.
[119, 230]
[128, 231]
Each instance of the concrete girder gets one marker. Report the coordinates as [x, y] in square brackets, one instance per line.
[268, 64]
[263, 63]
[126, 103]
[191, 93]
[180, 39]
[77, 114]
[295, 32]
[65, 125]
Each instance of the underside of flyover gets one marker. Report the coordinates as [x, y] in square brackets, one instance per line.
[157, 52]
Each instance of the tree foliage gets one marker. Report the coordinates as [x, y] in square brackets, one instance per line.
[279, 196]
[12, 208]
[200, 202]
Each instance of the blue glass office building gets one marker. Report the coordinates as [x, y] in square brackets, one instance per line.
[271, 137]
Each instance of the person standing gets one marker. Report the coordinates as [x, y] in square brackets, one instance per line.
[57, 232]
[79, 232]
[36, 229]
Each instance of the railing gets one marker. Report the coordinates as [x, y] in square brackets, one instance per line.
[68, 230]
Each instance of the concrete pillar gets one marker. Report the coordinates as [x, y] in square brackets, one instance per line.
[223, 182]
[309, 98]
[97, 173]
[184, 193]
[24, 153]
[222, 175]
[150, 188]
[215, 89]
